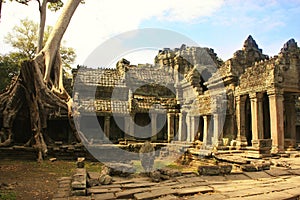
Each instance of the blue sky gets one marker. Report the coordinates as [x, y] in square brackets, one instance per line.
[271, 23]
[220, 24]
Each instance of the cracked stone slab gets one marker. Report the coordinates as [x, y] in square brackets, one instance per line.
[257, 175]
[154, 194]
[278, 172]
[194, 190]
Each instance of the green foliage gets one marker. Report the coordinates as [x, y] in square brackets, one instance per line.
[24, 38]
[9, 67]
[55, 5]
[7, 195]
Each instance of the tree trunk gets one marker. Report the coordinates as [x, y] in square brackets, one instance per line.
[35, 90]
[0, 8]
[43, 14]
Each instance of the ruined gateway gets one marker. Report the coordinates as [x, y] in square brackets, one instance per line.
[249, 102]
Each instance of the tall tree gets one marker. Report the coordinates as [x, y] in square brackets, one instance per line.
[24, 39]
[9, 68]
[39, 86]
[42, 5]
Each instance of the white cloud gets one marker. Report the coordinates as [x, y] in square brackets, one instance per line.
[96, 21]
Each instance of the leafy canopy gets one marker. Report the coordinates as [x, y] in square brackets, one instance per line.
[24, 40]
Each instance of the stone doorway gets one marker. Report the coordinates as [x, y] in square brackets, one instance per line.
[200, 129]
[162, 134]
[266, 116]
[248, 121]
[142, 120]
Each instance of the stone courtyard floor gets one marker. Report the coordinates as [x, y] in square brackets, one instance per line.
[276, 183]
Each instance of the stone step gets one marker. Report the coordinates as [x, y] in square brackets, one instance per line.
[102, 190]
[194, 190]
[127, 194]
[106, 196]
[154, 194]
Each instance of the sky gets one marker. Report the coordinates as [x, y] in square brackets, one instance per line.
[219, 24]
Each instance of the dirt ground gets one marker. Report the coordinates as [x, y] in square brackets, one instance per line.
[30, 180]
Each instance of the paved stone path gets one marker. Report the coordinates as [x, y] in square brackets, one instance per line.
[276, 183]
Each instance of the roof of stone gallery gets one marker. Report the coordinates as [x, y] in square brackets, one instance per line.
[141, 74]
[148, 74]
[104, 105]
[99, 77]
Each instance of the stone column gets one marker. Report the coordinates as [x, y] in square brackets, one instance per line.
[154, 126]
[170, 127]
[107, 126]
[218, 130]
[241, 121]
[276, 120]
[194, 127]
[205, 129]
[290, 116]
[188, 128]
[257, 116]
[182, 126]
[128, 123]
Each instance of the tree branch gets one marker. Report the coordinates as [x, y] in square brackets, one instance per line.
[53, 42]
[43, 14]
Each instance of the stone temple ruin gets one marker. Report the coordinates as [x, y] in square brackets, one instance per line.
[248, 102]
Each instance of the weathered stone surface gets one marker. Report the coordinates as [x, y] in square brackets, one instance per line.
[154, 194]
[93, 182]
[194, 190]
[168, 197]
[237, 176]
[278, 172]
[105, 179]
[170, 172]
[102, 190]
[128, 193]
[210, 170]
[147, 156]
[106, 196]
[120, 169]
[155, 176]
[79, 179]
[257, 175]
[78, 192]
[137, 185]
[213, 170]
[208, 196]
[93, 175]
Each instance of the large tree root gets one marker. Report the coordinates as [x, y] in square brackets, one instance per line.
[30, 89]
[39, 88]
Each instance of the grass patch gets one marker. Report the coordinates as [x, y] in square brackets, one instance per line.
[158, 164]
[7, 195]
[93, 166]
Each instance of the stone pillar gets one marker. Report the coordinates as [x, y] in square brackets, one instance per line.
[188, 128]
[276, 119]
[182, 126]
[241, 121]
[194, 127]
[154, 126]
[128, 123]
[170, 127]
[107, 126]
[218, 130]
[205, 129]
[290, 117]
[257, 115]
